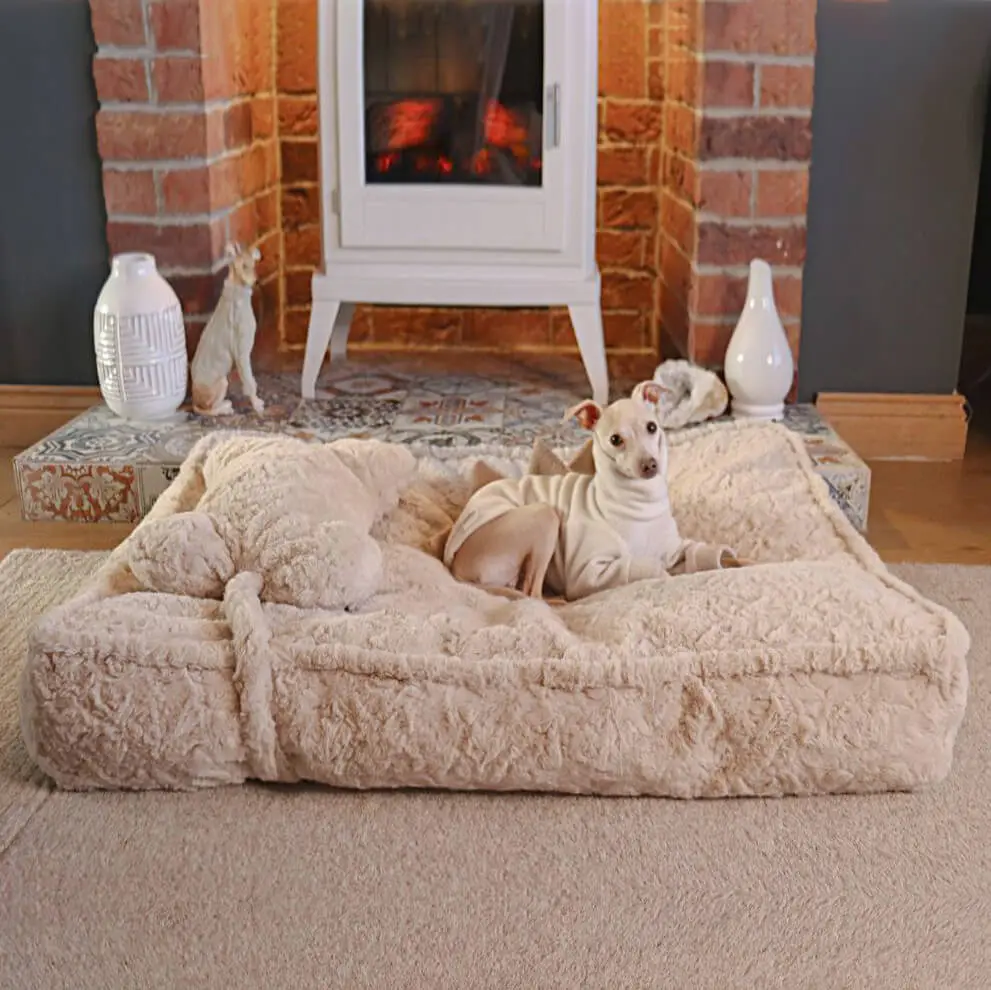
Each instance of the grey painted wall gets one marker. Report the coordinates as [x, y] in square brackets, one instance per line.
[53, 250]
[979, 292]
[898, 124]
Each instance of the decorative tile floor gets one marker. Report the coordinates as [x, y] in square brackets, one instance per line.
[100, 468]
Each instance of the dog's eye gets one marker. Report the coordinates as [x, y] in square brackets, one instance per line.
[616, 440]
[652, 427]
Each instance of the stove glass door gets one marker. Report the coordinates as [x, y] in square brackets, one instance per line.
[452, 120]
[454, 92]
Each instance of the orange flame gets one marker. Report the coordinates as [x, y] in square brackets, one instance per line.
[503, 127]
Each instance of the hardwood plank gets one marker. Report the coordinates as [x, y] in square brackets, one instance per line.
[929, 427]
[8, 488]
[30, 412]
[927, 512]
[61, 536]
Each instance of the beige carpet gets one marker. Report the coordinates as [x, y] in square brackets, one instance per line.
[30, 582]
[302, 887]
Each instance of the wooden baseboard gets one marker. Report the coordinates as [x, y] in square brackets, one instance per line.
[30, 412]
[889, 427]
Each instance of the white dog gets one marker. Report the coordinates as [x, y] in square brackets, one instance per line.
[227, 340]
[582, 533]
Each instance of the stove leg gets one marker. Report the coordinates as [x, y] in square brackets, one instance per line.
[586, 319]
[330, 324]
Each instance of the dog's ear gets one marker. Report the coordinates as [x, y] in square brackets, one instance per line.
[231, 251]
[587, 413]
[650, 392]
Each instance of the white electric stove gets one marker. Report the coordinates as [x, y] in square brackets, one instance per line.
[458, 149]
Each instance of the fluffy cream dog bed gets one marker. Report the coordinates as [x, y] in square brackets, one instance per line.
[814, 672]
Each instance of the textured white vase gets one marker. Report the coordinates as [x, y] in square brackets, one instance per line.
[140, 341]
[759, 367]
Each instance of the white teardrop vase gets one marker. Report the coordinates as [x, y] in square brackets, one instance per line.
[759, 367]
[140, 341]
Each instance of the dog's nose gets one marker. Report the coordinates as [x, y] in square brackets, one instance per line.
[648, 468]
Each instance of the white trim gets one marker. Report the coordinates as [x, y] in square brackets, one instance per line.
[394, 285]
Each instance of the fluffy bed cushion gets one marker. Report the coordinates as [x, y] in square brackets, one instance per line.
[814, 672]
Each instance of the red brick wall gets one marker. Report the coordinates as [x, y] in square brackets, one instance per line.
[186, 129]
[630, 88]
[737, 148]
[208, 129]
[296, 83]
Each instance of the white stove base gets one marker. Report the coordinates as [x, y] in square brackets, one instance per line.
[336, 292]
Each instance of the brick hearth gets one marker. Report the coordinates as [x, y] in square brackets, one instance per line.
[99, 468]
[207, 129]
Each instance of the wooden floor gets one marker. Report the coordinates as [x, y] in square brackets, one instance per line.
[920, 512]
[934, 513]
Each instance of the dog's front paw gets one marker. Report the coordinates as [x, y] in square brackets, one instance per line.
[224, 408]
[257, 405]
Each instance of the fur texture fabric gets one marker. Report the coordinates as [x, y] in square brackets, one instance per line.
[296, 514]
[815, 671]
[692, 394]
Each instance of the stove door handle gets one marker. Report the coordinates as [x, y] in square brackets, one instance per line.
[553, 113]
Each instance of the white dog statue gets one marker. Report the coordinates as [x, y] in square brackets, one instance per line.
[227, 340]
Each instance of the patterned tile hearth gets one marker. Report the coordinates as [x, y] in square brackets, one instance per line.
[100, 468]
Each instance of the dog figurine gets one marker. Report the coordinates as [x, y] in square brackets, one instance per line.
[228, 339]
[580, 533]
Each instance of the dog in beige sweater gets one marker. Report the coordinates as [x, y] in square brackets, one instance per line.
[579, 533]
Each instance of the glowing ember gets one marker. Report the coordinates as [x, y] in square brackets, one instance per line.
[503, 127]
[410, 122]
[417, 140]
[387, 162]
[481, 163]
